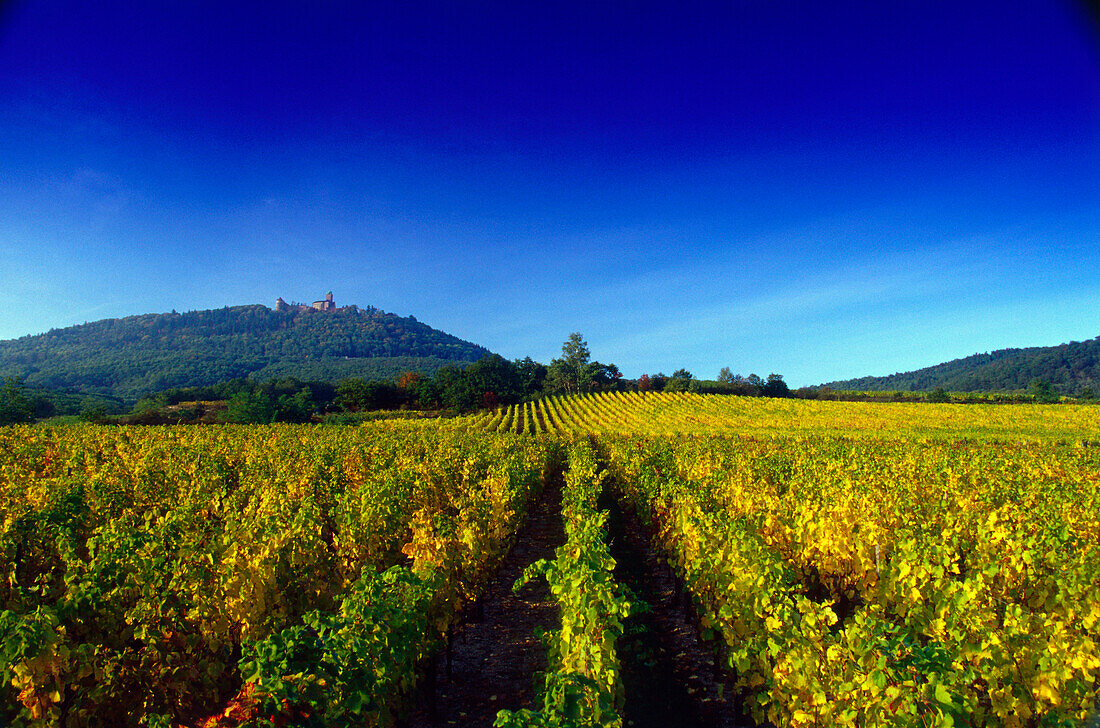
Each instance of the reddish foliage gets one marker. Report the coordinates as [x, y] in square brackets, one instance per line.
[241, 708]
[244, 707]
[408, 379]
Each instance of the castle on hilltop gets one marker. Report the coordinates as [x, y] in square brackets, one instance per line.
[326, 305]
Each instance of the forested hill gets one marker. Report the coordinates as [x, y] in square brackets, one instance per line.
[1071, 368]
[132, 356]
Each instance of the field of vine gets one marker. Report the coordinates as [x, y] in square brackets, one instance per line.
[886, 583]
[853, 564]
[683, 413]
[155, 575]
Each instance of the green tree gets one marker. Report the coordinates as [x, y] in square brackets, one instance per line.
[606, 376]
[355, 395]
[251, 407]
[725, 376]
[681, 381]
[938, 395]
[493, 373]
[569, 374]
[532, 376]
[14, 405]
[296, 407]
[94, 413]
[575, 351]
[1042, 391]
[352, 395]
[457, 391]
[424, 393]
[775, 387]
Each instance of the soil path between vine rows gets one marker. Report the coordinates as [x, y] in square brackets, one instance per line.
[495, 657]
[668, 672]
[496, 660]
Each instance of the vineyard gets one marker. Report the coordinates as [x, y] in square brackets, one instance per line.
[682, 413]
[846, 564]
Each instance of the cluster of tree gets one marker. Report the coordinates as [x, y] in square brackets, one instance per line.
[1038, 391]
[20, 404]
[14, 405]
[752, 385]
[238, 400]
[682, 380]
[130, 357]
[491, 381]
[1071, 369]
[488, 382]
[575, 372]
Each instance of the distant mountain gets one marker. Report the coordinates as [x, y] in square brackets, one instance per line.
[137, 355]
[1069, 367]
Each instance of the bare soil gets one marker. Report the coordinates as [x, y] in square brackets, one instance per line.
[671, 676]
[495, 659]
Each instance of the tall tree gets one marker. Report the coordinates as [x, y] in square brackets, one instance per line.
[569, 374]
[575, 350]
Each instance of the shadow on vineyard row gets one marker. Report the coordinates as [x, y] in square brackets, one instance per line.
[495, 660]
[670, 676]
[495, 657]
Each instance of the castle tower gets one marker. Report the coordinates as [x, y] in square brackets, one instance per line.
[325, 305]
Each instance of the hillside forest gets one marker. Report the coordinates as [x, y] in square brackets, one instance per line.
[1073, 369]
[131, 357]
[293, 364]
[488, 383]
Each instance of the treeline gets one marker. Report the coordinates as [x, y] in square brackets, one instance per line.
[238, 400]
[1038, 392]
[489, 382]
[18, 404]
[682, 380]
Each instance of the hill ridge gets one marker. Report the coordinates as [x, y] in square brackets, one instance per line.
[1071, 367]
[143, 353]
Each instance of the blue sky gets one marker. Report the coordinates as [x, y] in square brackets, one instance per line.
[824, 190]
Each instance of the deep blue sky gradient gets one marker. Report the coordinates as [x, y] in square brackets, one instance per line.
[824, 190]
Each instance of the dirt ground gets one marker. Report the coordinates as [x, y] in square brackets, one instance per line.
[669, 674]
[495, 661]
[495, 657]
